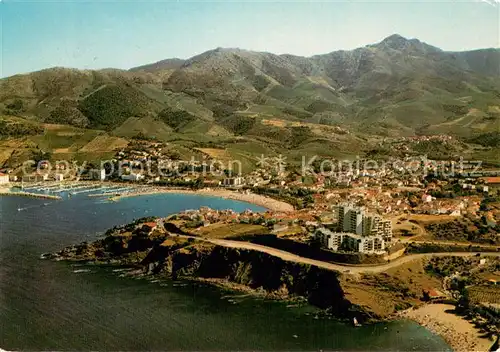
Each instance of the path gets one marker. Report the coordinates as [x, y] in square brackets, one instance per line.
[331, 266]
[448, 243]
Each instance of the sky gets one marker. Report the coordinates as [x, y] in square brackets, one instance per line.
[123, 34]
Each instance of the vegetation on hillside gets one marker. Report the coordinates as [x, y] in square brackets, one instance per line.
[223, 93]
[491, 139]
[112, 105]
[18, 128]
[175, 118]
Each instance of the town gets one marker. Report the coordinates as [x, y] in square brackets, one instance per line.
[368, 200]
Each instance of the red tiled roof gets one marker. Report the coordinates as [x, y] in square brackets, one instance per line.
[434, 293]
[2, 174]
[150, 224]
[492, 179]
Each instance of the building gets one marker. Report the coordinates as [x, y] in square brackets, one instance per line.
[59, 177]
[233, 182]
[363, 244]
[35, 178]
[350, 219]
[132, 177]
[329, 239]
[491, 180]
[4, 178]
[350, 242]
[151, 226]
[426, 198]
[433, 294]
[97, 174]
[375, 225]
[354, 220]
[358, 232]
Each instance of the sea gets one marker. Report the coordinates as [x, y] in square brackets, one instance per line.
[58, 306]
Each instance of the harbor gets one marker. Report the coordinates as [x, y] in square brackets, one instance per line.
[58, 190]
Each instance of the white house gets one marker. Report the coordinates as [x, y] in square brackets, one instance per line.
[133, 177]
[426, 198]
[98, 174]
[59, 177]
[35, 177]
[4, 178]
[233, 181]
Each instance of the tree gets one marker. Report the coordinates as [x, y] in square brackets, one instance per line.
[16, 105]
[464, 301]
[40, 155]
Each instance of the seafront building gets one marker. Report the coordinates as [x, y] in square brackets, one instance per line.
[4, 178]
[357, 232]
[233, 182]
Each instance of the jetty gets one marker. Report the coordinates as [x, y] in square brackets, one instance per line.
[112, 192]
[29, 194]
[58, 187]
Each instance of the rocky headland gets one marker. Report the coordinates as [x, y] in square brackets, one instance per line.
[397, 293]
[147, 246]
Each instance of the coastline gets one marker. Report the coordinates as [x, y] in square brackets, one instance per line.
[142, 190]
[459, 333]
[257, 199]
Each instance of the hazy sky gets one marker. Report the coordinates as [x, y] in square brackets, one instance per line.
[98, 34]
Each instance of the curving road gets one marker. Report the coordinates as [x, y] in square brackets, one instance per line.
[354, 269]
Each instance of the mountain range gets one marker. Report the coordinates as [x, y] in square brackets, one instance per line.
[397, 87]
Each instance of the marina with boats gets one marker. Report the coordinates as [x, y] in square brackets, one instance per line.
[58, 190]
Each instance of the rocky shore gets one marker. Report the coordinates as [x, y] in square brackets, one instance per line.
[460, 334]
[157, 254]
[152, 251]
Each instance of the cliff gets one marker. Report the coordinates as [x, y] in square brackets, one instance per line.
[366, 297]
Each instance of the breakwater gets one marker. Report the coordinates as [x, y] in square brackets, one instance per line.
[31, 195]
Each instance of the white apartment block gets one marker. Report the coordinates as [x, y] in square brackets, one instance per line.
[355, 220]
[350, 242]
[358, 232]
[329, 239]
[4, 178]
[350, 219]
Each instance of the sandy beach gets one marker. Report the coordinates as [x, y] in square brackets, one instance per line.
[257, 199]
[460, 334]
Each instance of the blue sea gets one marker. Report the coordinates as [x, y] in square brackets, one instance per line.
[48, 305]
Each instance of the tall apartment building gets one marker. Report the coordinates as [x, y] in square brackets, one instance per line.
[354, 220]
[375, 225]
[350, 219]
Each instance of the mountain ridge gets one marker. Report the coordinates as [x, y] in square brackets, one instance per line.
[398, 86]
[385, 40]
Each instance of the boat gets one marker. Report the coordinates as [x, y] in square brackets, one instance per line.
[355, 322]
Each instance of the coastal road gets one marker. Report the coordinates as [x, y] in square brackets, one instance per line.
[448, 243]
[345, 268]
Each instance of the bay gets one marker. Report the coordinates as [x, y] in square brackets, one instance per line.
[47, 305]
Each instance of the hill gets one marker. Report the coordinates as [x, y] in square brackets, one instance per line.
[280, 103]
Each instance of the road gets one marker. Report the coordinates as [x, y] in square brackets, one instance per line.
[448, 243]
[354, 269]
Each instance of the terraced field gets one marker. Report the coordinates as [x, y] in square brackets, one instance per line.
[104, 143]
[485, 295]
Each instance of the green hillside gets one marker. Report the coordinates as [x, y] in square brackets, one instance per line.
[282, 103]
